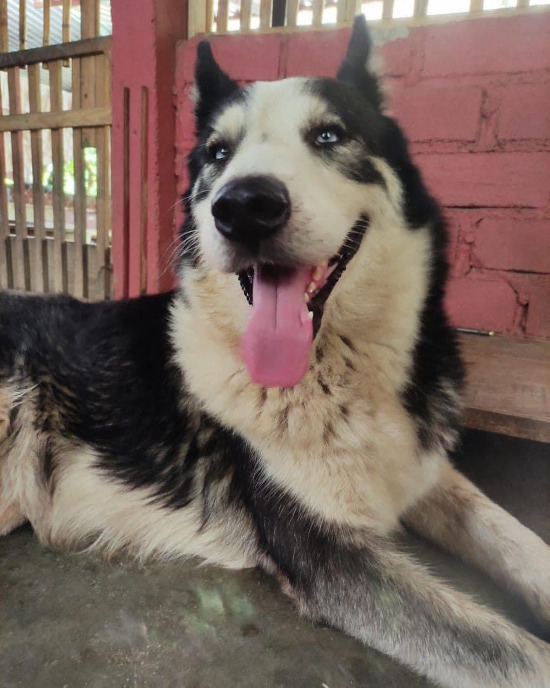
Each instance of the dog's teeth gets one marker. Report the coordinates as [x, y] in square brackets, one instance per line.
[318, 273]
[311, 287]
[310, 315]
[306, 297]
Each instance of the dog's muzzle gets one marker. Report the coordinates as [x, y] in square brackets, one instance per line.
[250, 210]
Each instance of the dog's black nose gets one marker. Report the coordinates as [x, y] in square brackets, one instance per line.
[251, 209]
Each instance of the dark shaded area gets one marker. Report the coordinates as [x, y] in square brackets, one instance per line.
[78, 621]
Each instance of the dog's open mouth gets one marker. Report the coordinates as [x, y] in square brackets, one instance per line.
[287, 308]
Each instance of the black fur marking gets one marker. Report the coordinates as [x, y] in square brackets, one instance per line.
[347, 342]
[323, 385]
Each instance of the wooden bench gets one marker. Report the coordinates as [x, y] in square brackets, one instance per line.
[508, 386]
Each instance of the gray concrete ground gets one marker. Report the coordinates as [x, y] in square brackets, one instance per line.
[72, 621]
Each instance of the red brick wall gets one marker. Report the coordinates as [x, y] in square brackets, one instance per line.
[474, 99]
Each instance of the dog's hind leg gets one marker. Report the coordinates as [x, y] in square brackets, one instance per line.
[460, 518]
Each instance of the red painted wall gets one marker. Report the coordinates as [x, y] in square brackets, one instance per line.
[145, 33]
[474, 99]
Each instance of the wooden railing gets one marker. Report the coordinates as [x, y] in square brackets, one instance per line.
[222, 16]
[55, 158]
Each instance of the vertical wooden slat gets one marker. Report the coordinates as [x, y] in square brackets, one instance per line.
[80, 265]
[342, 11]
[4, 38]
[46, 23]
[60, 281]
[265, 13]
[317, 12]
[476, 5]
[38, 273]
[523, 3]
[246, 14]
[353, 9]
[22, 24]
[66, 22]
[20, 281]
[144, 144]
[5, 264]
[292, 12]
[199, 17]
[89, 29]
[420, 8]
[387, 9]
[209, 14]
[222, 16]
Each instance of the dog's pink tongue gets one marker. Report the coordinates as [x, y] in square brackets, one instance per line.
[277, 342]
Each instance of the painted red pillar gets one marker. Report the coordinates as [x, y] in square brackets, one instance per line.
[145, 33]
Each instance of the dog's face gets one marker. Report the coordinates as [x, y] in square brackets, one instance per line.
[286, 177]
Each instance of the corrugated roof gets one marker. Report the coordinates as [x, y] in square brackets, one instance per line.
[35, 23]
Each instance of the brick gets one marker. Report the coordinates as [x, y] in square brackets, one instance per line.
[480, 303]
[320, 53]
[489, 45]
[514, 244]
[525, 111]
[444, 113]
[316, 53]
[488, 179]
[244, 58]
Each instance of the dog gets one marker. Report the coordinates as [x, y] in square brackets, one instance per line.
[294, 401]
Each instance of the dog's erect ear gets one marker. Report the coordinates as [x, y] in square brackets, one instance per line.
[212, 84]
[354, 70]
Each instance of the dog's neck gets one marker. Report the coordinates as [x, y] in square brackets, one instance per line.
[367, 336]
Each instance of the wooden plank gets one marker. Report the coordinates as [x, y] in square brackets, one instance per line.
[523, 3]
[476, 6]
[61, 51]
[93, 117]
[103, 200]
[4, 35]
[420, 8]
[80, 266]
[246, 14]
[5, 263]
[222, 16]
[60, 275]
[66, 22]
[317, 8]
[89, 28]
[46, 23]
[387, 9]
[508, 388]
[19, 263]
[265, 13]
[22, 24]
[38, 275]
[197, 14]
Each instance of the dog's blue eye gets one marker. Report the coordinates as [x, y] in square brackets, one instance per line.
[219, 152]
[329, 136]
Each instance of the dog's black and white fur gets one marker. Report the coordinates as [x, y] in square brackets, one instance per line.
[135, 425]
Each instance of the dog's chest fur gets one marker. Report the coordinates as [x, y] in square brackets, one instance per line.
[341, 441]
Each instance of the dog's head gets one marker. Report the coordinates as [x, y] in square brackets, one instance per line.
[287, 180]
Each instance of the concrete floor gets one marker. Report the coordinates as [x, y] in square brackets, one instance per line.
[71, 621]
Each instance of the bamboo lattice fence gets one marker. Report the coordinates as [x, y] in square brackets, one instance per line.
[242, 16]
[55, 140]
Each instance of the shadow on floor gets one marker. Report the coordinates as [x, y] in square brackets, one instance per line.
[71, 621]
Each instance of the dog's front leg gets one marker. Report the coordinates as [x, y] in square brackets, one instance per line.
[368, 589]
[460, 518]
